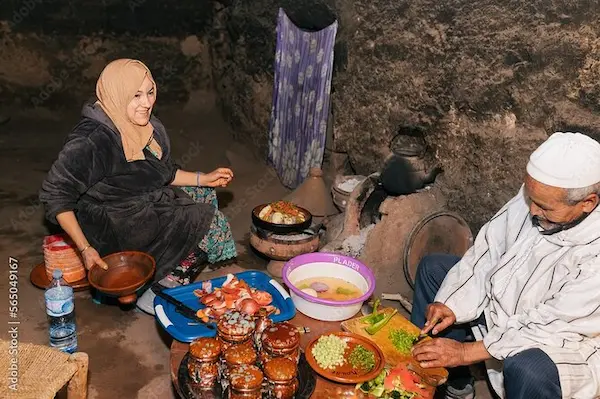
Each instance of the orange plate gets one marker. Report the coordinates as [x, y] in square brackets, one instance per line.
[346, 374]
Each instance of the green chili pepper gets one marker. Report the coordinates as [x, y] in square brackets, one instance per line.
[375, 316]
[372, 329]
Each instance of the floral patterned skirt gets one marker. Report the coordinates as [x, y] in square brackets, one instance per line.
[216, 246]
[218, 243]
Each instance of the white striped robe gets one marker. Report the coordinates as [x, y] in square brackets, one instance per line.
[535, 291]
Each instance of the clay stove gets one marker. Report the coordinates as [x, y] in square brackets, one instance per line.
[282, 247]
[391, 233]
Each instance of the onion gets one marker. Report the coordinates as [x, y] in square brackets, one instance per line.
[207, 286]
[229, 279]
[319, 287]
[310, 291]
[249, 306]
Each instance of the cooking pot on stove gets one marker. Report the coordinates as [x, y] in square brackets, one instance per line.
[281, 228]
[405, 170]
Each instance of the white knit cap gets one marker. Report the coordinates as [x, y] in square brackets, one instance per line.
[566, 160]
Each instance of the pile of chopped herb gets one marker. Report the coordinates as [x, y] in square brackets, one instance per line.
[402, 340]
[362, 358]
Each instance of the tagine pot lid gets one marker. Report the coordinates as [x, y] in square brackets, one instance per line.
[313, 195]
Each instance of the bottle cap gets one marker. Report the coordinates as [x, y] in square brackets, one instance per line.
[57, 274]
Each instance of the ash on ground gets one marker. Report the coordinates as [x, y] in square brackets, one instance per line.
[352, 246]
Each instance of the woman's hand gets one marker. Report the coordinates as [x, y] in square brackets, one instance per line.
[439, 317]
[219, 177]
[440, 352]
[91, 258]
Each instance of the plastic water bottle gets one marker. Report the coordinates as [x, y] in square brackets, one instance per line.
[60, 307]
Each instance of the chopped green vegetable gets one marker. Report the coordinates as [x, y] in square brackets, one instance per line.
[375, 316]
[303, 286]
[344, 291]
[401, 395]
[378, 391]
[329, 351]
[380, 378]
[402, 340]
[369, 386]
[372, 329]
[362, 358]
[376, 388]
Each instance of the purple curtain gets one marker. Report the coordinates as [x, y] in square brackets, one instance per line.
[302, 87]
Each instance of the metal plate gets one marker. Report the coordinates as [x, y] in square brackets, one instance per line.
[441, 232]
[306, 378]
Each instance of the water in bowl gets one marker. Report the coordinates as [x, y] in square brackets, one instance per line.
[121, 277]
[331, 288]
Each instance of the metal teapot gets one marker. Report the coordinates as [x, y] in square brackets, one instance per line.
[405, 168]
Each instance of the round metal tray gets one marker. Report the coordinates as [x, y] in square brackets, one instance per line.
[306, 378]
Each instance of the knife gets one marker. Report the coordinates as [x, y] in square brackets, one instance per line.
[180, 307]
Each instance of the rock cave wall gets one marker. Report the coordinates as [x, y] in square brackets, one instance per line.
[53, 51]
[485, 81]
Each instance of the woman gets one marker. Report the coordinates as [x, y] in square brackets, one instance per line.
[115, 186]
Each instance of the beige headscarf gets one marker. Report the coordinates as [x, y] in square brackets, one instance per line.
[116, 87]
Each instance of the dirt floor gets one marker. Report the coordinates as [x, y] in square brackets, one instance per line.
[129, 352]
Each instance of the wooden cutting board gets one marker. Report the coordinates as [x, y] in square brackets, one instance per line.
[436, 376]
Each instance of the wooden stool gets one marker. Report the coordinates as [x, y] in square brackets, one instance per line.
[38, 371]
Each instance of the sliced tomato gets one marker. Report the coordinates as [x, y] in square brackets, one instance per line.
[403, 378]
[218, 304]
[220, 312]
[208, 299]
[230, 303]
[231, 290]
[230, 297]
[262, 298]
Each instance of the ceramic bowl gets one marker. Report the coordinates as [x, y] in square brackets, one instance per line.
[127, 272]
[324, 264]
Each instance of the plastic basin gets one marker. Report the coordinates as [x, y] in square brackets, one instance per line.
[325, 264]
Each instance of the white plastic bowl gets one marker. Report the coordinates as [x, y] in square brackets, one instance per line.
[324, 264]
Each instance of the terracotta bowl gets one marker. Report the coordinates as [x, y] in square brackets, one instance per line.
[127, 272]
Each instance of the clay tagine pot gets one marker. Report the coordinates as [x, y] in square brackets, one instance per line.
[314, 195]
[127, 272]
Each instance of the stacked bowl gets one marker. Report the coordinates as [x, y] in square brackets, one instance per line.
[61, 253]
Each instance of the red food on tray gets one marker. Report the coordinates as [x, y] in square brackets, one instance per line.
[233, 294]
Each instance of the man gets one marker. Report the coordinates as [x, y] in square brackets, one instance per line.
[529, 287]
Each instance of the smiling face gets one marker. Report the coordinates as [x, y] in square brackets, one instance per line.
[140, 108]
[550, 207]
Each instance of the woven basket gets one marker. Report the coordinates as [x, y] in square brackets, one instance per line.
[41, 371]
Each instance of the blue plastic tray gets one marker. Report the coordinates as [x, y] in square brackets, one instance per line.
[177, 325]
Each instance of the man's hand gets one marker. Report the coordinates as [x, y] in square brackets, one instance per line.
[219, 177]
[439, 317]
[440, 352]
